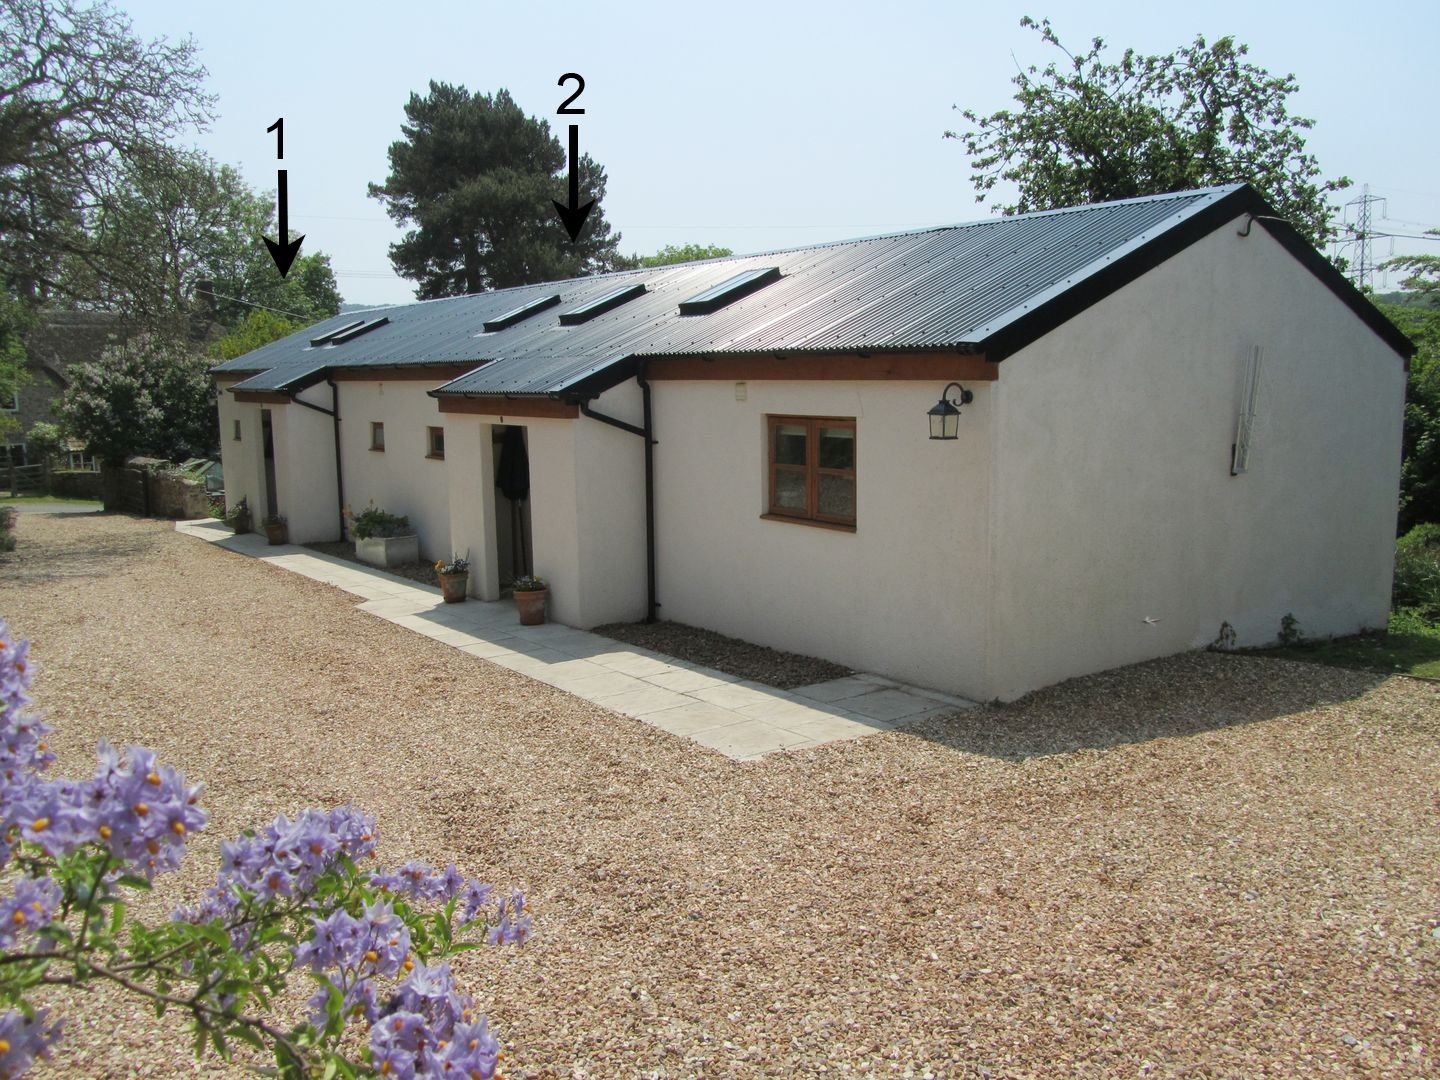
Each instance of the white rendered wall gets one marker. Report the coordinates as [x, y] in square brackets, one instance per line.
[587, 507]
[305, 467]
[242, 459]
[470, 465]
[401, 478]
[905, 595]
[1114, 502]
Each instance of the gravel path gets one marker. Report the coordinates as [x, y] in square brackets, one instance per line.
[1209, 865]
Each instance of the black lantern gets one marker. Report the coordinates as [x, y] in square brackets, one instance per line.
[945, 414]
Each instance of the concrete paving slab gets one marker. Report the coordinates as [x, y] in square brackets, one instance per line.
[890, 705]
[836, 689]
[637, 703]
[628, 662]
[735, 695]
[688, 720]
[487, 650]
[749, 739]
[823, 729]
[684, 680]
[610, 684]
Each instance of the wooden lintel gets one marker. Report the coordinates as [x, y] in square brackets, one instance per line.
[500, 405]
[897, 367]
[433, 373]
[261, 397]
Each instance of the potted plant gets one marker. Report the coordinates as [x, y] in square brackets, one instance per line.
[454, 578]
[238, 517]
[276, 531]
[384, 539]
[530, 596]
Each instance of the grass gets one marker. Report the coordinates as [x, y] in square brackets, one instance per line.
[1410, 646]
[33, 500]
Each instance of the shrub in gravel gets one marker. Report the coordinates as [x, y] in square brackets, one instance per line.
[1417, 571]
[7, 528]
[290, 900]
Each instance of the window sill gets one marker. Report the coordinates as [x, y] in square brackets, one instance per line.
[377, 449]
[434, 457]
[833, 526]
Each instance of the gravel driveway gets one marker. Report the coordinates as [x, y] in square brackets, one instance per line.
[1210, 865]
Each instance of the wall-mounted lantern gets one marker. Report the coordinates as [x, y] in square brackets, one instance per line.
[945, 414]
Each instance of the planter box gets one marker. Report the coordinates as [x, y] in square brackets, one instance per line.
[388, 550]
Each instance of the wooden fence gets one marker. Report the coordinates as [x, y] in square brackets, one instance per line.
[27, 479]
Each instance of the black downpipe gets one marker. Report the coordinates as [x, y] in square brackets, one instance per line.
[648, 434]
[334, 413]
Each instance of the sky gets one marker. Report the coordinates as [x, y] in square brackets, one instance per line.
[758, 126]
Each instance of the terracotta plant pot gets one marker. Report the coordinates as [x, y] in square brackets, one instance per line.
[531, 606]
[453, 587]
[277, 533]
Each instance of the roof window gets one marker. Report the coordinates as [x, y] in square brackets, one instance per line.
[601, 304]
[521, 313]
[324, 339]
[350, 333]
[729, 291]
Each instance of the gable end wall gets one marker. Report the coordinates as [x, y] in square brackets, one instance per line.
[1114, 502]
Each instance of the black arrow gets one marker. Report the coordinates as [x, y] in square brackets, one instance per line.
[283, 253]
[574, 216]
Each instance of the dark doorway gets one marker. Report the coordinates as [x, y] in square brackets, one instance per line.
[267, 440]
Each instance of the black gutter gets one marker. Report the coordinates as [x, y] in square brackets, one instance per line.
[334, 413]
[648, 434]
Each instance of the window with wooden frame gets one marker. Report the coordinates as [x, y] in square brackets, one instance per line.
[812, 469]
[377, 435]
[435, 441]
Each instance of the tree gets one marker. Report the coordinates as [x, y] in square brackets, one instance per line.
[151, 395]
[258, 328]
[1090, 131]
[82, 100]
[671, 254]
[178, 218]
[476, 177]
[1419, 318]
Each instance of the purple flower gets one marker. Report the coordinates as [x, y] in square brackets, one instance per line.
[472, 1051]
[22, 1040]
[477, 900]
[512, 922]
[339, 942]
[387, 938]
[30, 909]
[397, 1040]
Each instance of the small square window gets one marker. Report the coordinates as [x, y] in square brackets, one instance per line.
[436, 436]
[377, 435]
[237, 431]
[10, 402]
[812, 469]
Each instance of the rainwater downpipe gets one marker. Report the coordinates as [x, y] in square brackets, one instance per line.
[334, 413]
[647, 432]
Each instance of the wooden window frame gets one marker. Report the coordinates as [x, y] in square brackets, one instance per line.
[377, 427]
[430, 451]
[812, 470]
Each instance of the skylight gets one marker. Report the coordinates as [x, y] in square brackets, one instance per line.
[601, 304]
[730, 290]
[519, 314]
[349, 333]
[324, 339]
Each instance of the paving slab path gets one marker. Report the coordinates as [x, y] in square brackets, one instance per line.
[739, 718]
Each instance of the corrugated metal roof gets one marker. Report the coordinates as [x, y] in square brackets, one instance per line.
[970, 287]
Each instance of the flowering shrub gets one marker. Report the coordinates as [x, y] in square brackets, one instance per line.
[289, 898]
[529, 583]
